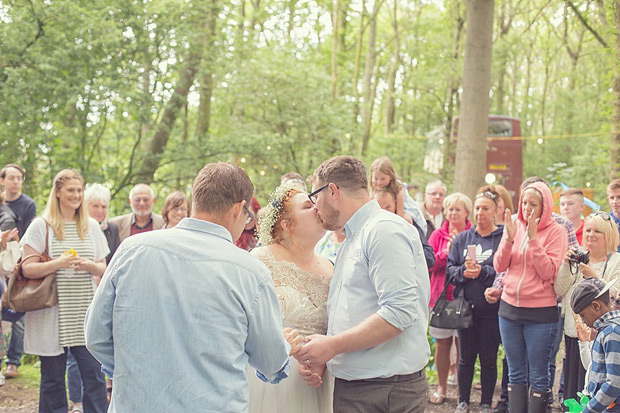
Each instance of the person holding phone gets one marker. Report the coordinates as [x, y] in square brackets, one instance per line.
[470, 267]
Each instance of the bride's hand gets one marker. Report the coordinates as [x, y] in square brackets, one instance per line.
[312, 375]
[293, 338]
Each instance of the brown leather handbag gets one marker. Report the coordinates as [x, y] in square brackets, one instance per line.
[27, 294]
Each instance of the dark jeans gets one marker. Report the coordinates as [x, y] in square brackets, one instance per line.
[52, 392]
[574, 373]
[16, 343]
[554, 351]
[74, 380]
[480, 340]
[528, 347]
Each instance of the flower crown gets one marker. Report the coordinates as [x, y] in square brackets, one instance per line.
[272, 212]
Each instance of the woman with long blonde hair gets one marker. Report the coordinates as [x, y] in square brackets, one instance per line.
[77, 248]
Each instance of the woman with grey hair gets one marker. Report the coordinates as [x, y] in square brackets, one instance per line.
[97, 198]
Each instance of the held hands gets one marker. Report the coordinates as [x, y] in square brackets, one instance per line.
[584, 333]
[492, 295]
[84, 264]
[532, 226]
[294, 340]
[7, 236]
[317, 350]
[510, 228]
[312, 375]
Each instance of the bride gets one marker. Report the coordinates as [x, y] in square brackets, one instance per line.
[289, 228]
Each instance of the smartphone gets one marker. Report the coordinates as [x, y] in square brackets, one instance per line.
[471, 252]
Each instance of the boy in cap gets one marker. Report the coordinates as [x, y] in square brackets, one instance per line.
[591, 301]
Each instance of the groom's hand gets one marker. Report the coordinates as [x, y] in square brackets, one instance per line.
[317, 350]
[312, 375]
[294, 339]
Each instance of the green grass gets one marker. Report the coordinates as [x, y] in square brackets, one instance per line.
[29, 376]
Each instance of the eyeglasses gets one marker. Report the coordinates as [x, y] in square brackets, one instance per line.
[250, 215]
[180, 209]
[601, 214]
[312, 195]
[487, 194]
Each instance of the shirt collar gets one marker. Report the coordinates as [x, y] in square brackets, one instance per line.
[199, 225]
[133, 220]
[359, 217]
[602, 320]
[611, 214]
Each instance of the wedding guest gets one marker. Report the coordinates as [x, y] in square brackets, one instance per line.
[175, 208]
[78, 249]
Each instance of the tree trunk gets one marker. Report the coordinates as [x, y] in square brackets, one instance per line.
[159, 141]
[336, 36]
[368, 79]
[614, 138]
[206, 82]
[391, 79]
[356, 67]
[472, 145]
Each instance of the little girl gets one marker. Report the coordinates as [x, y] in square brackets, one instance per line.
[383, 176]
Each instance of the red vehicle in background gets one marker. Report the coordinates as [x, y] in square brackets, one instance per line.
[504, 152]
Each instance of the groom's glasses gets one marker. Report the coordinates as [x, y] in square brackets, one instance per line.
[250, 216]
[312, 195]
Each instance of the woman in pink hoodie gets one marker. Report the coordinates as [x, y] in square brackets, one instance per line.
[530, 253]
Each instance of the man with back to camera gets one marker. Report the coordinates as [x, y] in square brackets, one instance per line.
[376, 344]
[180, 313]
[141, 218]
[12, 180]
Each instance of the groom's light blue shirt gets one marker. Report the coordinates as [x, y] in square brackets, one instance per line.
[380, 269]
[177, 318]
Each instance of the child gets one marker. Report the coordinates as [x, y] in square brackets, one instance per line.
[591, 301]
[383, 177]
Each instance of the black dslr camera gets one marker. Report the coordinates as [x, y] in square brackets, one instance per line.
[577, 257]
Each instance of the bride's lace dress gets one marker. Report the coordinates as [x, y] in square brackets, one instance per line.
[303, 303]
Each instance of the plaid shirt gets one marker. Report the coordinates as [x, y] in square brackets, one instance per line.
[604, 384]
[572, 243]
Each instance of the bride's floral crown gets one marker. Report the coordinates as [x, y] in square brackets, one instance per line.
[271, 213]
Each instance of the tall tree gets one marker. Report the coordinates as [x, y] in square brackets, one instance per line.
[473, 124]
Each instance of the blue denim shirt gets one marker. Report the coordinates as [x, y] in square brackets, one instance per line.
[178, 316]
[380, 269]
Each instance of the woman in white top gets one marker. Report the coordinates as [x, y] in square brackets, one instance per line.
[289, 228]
[600, 238]
[51, 333]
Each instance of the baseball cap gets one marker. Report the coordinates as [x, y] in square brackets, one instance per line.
[587, 291]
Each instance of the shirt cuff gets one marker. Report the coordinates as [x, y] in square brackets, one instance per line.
[107, 372]
[277, 377]
[391, 317]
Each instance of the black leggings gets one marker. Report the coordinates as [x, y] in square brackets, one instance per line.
[480, 340]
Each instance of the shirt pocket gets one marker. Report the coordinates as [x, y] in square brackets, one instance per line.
[355, 268]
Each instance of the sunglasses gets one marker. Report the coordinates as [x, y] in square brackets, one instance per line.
[487, 194]
[601, 214]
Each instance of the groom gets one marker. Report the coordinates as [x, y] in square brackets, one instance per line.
[376, 345]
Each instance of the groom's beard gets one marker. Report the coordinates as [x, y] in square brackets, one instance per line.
[330, 218]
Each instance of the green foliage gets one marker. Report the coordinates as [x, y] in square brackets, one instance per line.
[85, 85]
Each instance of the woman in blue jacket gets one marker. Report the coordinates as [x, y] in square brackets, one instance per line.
[474, 276]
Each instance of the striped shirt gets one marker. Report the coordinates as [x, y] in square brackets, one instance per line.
[75, 288]
[604, 384]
